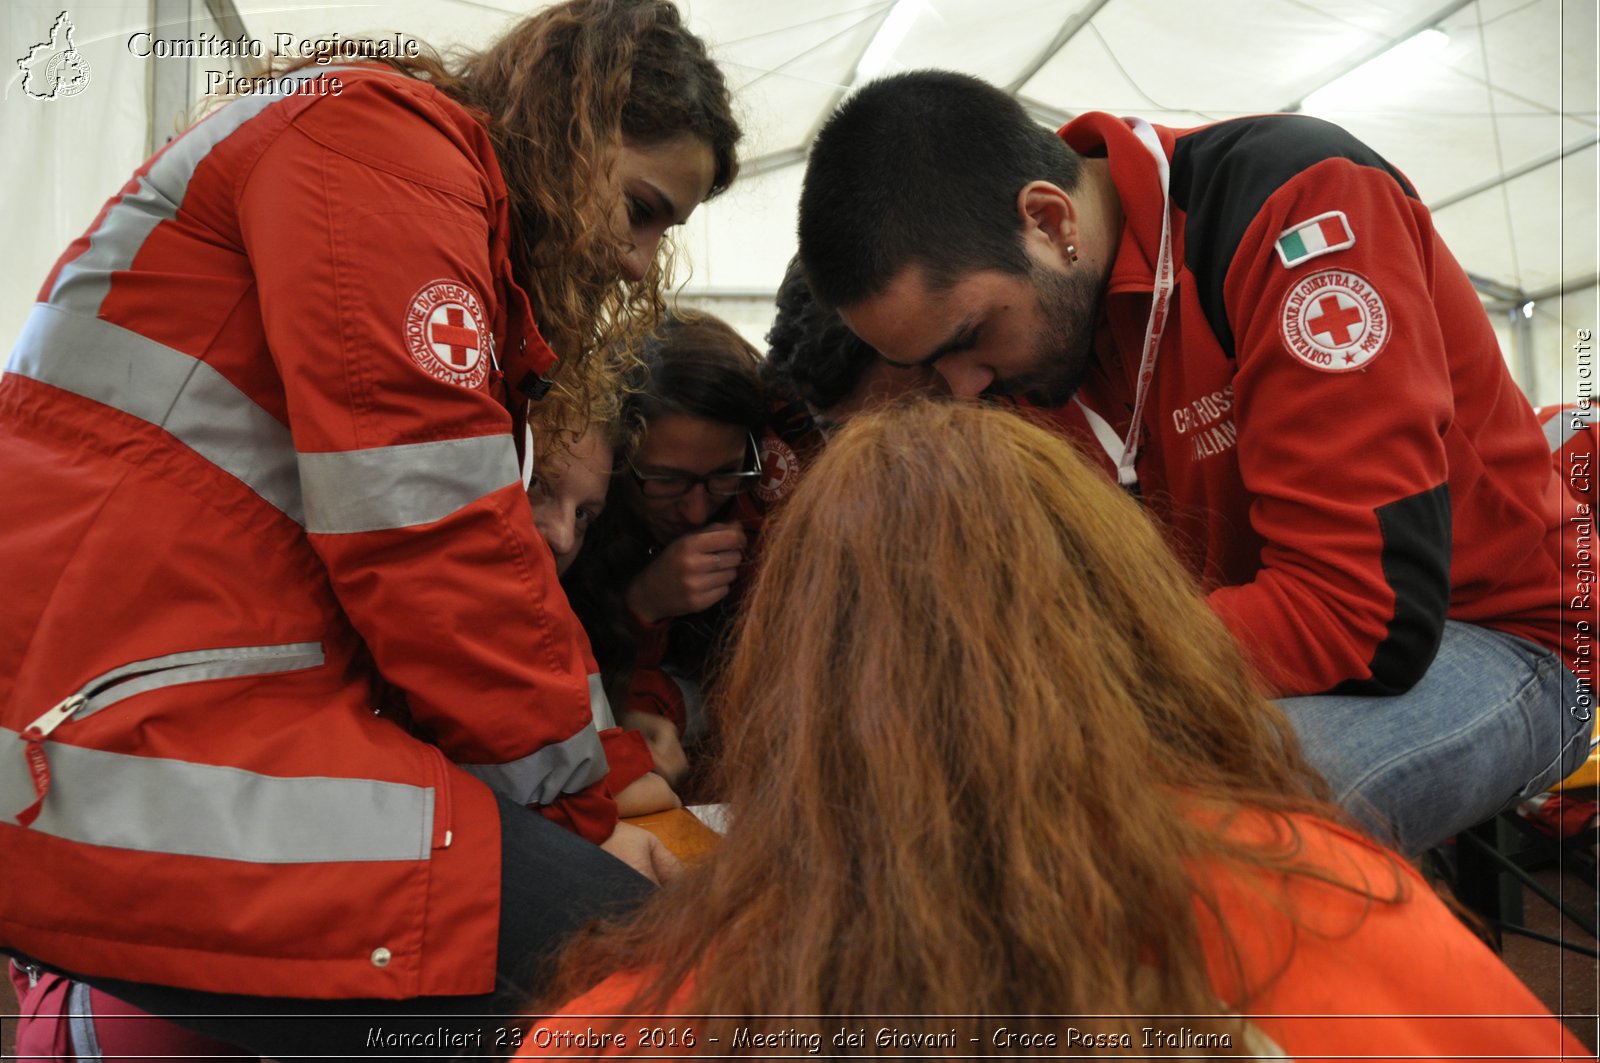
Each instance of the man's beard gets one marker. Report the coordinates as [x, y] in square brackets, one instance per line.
[1069, 307]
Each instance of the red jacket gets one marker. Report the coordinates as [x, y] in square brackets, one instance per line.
[1331, 435]
[1572, 433]
[255, 454]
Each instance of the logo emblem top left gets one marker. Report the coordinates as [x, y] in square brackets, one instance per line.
[55, 69]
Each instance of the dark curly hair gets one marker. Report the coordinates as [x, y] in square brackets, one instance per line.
[810, 348]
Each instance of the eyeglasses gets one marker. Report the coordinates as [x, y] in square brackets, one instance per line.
[720, 484]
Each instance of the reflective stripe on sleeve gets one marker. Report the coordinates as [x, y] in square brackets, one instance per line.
[346, 491]
[155, 805]
[167, 388]
[402, 486]
[544, 775]
[83, 283]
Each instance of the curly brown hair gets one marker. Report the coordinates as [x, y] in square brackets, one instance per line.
[559, 93]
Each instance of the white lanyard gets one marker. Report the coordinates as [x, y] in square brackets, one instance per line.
[527, 455]
[1123, 452]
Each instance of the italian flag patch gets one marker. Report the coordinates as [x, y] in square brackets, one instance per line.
[1306, 240]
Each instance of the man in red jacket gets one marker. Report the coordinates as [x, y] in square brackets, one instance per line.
[1271, 345]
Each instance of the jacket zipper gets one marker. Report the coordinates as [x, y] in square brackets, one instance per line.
[154, 673]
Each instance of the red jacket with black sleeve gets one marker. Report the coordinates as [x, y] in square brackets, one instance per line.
[1331, 437]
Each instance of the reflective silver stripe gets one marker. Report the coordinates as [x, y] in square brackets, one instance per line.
[543, 776]
[83, 283]
[167, 388]
[1564, 425]
[344, 491]
[155, 805]
[402, 486]
[196, 666]
[80, 1023]
[600, 705]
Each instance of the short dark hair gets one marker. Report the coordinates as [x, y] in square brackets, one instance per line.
[810, 348]
[921, 168]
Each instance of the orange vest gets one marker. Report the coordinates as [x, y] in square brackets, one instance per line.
[1344, 977]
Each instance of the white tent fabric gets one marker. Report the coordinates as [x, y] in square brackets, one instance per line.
[1492, 113]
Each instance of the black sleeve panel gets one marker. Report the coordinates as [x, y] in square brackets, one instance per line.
[1416, 565]
[1223, 174]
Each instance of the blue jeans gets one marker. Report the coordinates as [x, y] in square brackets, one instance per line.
[1495, 719]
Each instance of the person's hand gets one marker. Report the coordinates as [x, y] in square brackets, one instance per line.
[662, 737]
[646, 794]
[643, 852]
[692, 573]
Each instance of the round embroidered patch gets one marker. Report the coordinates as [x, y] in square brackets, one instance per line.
[780, 469]
[445, 333]
[1335, 321]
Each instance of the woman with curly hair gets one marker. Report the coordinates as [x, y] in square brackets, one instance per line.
[1001, 784]
[292, 710]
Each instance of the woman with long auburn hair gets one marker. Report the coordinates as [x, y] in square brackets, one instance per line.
[989, 755]
[294, 716]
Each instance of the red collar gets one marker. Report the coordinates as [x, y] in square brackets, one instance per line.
[1133, 172]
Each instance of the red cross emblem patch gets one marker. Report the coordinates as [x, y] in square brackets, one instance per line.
[1335, 321]
[780, 469]
[446, 335]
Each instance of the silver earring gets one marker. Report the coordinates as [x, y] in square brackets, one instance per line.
[1072, 253]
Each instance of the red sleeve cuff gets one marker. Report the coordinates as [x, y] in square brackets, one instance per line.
[654, 691]
[650, 640]
[590, 813]
[629, 757]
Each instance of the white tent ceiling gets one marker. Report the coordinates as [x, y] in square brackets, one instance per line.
[1497, 127]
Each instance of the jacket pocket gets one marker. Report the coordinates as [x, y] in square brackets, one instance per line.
[154, 673]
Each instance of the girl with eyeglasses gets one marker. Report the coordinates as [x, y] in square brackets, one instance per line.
[653, 587]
